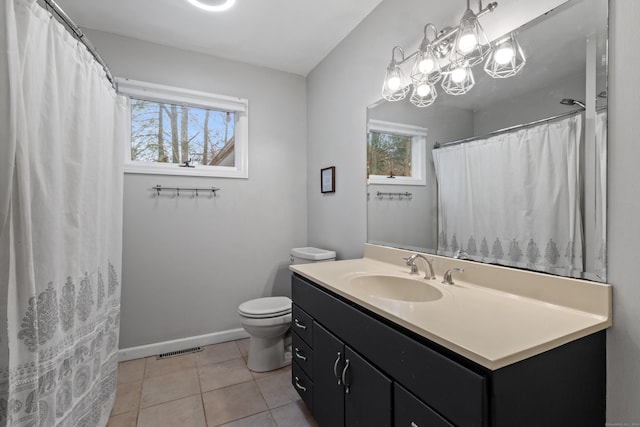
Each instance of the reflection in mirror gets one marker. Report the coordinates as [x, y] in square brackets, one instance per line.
[515, 170]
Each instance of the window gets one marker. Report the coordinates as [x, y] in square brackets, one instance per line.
[183, 132]
[396, 153]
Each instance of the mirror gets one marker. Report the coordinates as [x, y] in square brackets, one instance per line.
[465, 196]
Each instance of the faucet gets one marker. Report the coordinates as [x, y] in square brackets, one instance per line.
[414, 268]
[460, 254]
[446, 279]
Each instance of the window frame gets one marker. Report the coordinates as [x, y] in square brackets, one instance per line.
[161, 93]
[418, 152]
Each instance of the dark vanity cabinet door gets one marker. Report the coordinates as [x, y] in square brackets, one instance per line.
[368, 393]
[348, 390]
[328, 358]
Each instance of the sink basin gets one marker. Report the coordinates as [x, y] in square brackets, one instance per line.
[397, 288]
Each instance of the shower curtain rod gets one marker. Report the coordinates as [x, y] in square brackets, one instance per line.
[77, 32]
[512, 128]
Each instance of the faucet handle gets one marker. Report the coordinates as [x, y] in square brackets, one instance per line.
[446, 278]
[410, 262]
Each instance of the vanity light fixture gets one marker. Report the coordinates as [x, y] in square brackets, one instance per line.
[394, 88]
[426, 67]
[461, 48]
[471, 44]
[213, 8]
[458, 79]
[507, 58]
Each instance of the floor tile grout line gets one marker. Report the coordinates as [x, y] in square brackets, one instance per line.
[204, 410]
[197, 367]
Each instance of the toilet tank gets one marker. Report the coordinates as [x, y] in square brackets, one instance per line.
[310, 254]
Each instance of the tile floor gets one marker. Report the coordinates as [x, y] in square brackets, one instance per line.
[206, 389]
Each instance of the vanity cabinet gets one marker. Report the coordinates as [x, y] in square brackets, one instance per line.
[361, 369]
[348, 389]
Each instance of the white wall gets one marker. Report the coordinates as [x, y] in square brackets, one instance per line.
[623, 339]
[528, 107]
[188, 263]
[336, 123]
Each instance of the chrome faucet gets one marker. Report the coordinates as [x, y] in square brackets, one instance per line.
[411, 262]
[446, 279]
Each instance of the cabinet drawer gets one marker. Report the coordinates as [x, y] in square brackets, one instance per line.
[302, 324]
[411, 412]
[303, 354]
[303, 385]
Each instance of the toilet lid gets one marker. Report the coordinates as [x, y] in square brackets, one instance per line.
[265, 307]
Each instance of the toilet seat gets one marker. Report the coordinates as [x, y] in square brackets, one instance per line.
[262, 308]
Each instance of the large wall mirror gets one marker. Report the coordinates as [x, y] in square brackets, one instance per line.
[514, 171]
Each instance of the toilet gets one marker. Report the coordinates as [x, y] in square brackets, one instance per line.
[267, 320]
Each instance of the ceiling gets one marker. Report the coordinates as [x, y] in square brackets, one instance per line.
[287, 35]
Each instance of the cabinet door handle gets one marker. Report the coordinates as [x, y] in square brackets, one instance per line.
[298, 385]
[299, 325]
[344, 376]
[414, 424]
[335, 368]
[298, 355]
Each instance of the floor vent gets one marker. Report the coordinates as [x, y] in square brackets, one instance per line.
[179, 352]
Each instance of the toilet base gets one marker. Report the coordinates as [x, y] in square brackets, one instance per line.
[267, 354]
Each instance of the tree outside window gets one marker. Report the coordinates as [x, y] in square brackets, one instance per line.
[168, 133]
[389, 154]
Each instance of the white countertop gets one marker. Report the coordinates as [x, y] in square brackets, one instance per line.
[504, 316]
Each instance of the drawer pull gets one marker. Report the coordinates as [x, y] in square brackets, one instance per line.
[299, 325]
[344, 376]
[299, 386]
[335, 369]
[298, 355]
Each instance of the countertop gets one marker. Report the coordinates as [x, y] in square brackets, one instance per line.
[492, 315]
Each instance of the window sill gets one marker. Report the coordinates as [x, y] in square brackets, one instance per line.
[396, 180]
[175, 170]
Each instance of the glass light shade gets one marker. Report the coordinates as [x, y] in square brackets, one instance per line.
[471, 44]
[504, 54]
[459, 74]
[506, 60]
[395, 87]
[458, 79]
[424, 94]
[426, 66]
[467, 41]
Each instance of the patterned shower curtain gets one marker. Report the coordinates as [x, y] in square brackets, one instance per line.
[61, 228]
[514, 199]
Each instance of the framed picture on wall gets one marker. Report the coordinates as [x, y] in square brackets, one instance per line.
[328, 180]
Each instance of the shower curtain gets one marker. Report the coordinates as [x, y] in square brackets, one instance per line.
[514, 198]
[61, 228]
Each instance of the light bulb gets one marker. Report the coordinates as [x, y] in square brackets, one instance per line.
[504, 54]
[426, 65]
[423, 90]
[458, 75]
[393, 83]
[468, 41]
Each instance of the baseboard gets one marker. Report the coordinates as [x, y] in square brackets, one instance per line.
[179, 344]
